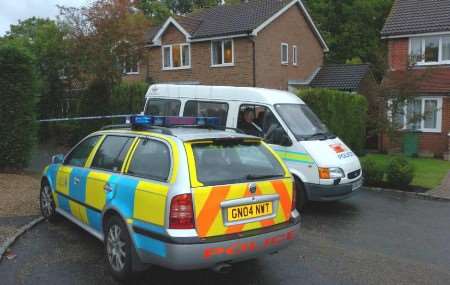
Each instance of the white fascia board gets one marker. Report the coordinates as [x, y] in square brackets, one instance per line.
[157, 38]
[308, 17]
[416, 35]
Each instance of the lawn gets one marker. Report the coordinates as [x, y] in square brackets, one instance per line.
[429, 173]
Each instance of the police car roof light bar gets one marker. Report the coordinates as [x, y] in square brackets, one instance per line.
[146, 121]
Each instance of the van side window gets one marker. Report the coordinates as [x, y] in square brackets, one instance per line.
[81, 153]
[111, 154]
[207, 109]
[163, 107]
[151, 160]
[259, 121]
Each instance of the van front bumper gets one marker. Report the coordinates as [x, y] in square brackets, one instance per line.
[323, 193]
[191, 254]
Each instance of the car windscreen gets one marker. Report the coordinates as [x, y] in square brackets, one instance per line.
[302, 122]
[163, 107]
[235, 162]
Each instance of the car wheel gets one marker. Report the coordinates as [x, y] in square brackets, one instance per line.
[301, 195]
[118, 248]
[46, 202]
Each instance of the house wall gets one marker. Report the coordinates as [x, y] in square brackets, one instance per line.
[290, 28]
[241, 74]
[435, 80]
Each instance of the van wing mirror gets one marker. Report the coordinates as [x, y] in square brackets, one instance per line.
[58, 158]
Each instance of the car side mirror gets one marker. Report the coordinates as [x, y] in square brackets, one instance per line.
[58, 158]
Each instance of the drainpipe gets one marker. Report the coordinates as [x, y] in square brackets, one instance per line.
[254, 60]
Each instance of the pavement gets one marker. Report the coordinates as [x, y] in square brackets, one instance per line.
[371, 238]
[443, 191]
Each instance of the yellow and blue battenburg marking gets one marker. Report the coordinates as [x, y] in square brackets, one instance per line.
[80, 192]
[299, 157]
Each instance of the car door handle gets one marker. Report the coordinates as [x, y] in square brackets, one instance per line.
[76, 180]
[107, 188]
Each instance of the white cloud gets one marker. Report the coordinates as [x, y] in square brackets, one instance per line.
[11, 11]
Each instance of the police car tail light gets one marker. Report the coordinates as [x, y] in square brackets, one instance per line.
[181, 212]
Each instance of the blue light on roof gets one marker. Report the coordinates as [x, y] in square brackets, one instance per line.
[141, 121]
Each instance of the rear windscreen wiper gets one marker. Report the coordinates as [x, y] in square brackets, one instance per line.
[256, 177]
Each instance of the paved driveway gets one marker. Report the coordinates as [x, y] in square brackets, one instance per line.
[372, 238]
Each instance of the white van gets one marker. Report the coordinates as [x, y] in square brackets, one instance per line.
[325, 168]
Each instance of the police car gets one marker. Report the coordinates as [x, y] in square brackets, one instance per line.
[175, 192]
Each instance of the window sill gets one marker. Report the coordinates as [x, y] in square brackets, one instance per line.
[131, 73]
[421, 64]
[175, 68]
[222, 65]
[285, 63]
[422, 131]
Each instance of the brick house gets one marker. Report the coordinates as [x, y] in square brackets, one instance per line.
[418, 37]
[263, 43]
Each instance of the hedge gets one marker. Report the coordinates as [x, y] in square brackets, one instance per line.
[17, 111]
[99, 99]
[344, 113]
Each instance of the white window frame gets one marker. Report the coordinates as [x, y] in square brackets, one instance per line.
[422, 128]
[171, 67]
[422, 62]
[294, 55]
[124, 70]
[286, 62]
[222, 42]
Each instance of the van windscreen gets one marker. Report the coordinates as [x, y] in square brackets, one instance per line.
[302, 122]
[234, 162]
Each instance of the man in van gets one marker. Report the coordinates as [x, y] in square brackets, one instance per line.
[248, 124]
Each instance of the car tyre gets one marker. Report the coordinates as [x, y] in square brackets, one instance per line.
[47, 203]
[302, 199]
[118, 249]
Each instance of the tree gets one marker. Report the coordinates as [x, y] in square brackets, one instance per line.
[103, 38]
[352, 29]
[45, 40]
[17, 97]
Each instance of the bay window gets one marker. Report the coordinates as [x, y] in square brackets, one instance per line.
[422, 114]
[222, 53]
[176, 56]
[430, 50]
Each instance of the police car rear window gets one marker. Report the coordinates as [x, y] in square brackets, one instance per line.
[218, 163]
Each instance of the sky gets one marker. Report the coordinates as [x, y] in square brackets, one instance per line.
[11, 11]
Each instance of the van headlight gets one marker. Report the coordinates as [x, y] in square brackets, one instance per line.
[331, 173]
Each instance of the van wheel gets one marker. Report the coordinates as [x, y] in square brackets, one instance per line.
[46, 203]
[301, 195]
[118, 248]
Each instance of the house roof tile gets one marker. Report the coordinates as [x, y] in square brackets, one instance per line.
[341, 76]
[417, 17]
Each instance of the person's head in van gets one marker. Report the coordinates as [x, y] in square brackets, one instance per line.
[249, 116]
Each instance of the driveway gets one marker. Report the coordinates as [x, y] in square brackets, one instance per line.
[371, 238]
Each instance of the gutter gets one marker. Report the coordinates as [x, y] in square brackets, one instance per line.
[252, 38]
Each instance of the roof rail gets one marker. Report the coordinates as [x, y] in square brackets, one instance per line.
[158, 129]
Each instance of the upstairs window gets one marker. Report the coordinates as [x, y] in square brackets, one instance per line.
[430, 50]
[131, 66]
[176, 56]
[294, 55]
[284, 53]
[222, 53]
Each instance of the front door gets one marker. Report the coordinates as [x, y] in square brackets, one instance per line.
[71, 177]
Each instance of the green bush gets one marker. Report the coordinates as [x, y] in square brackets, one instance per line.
[344, 113]
[400, 172]
[373, 171]
[17, 111]
[128, 98]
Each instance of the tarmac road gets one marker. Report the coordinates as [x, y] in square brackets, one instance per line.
[371, 238]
